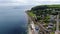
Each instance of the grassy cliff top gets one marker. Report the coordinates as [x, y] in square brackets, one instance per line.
[49, 5]
[42, 7]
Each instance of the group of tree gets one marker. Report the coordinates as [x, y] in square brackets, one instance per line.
[43, 11]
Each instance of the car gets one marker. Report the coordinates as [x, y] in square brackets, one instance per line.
[37, 28]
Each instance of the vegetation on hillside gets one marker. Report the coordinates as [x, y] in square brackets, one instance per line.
[42, 13]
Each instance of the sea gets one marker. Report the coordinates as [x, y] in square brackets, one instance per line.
[13, 19]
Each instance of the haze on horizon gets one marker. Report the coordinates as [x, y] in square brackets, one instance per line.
[27, 2]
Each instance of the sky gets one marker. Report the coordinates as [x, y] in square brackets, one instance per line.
[27, 2]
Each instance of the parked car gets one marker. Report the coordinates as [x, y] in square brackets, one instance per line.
[37, 28]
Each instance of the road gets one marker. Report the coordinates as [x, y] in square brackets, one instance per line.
[32, 25]
[32, 31]
[32, 21]
[29, 30]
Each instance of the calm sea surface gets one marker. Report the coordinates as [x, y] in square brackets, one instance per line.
[13, 20]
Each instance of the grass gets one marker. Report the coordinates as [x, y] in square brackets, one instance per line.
[58, 6]
[31, 14]
[52, 33]
[54, 28]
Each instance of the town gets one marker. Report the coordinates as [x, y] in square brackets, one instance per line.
[44, 19]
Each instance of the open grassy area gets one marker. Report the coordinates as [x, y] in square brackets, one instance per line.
[31, 14]
[58, 6]
[52, 33]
